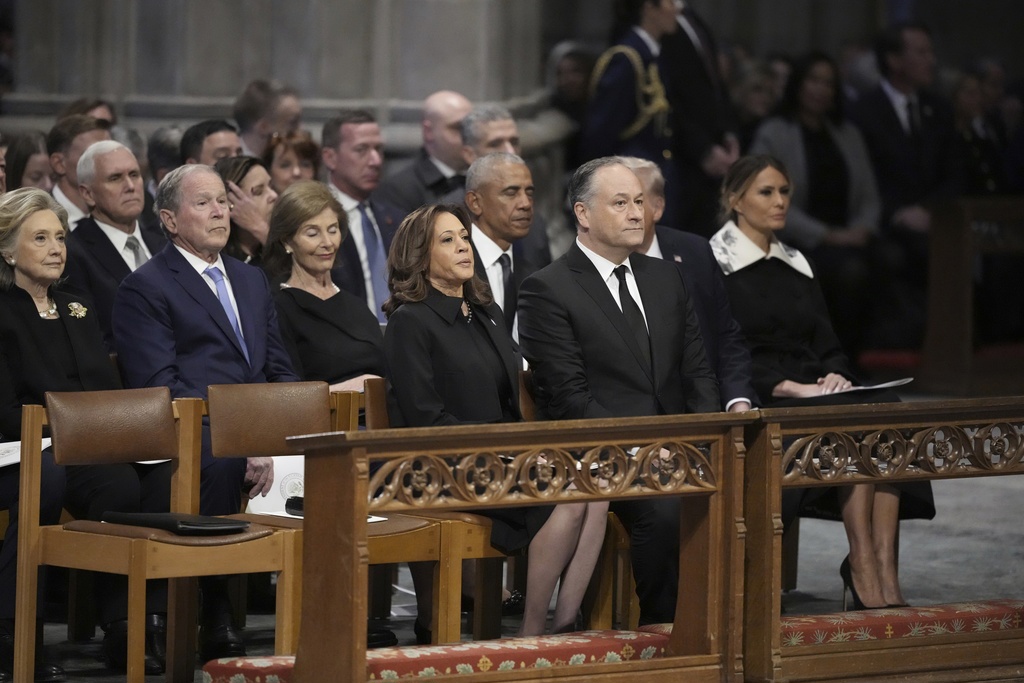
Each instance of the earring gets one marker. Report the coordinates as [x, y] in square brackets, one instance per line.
[287, 251]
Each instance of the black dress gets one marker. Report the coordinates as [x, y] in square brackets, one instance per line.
[783, 316]
[446, 369]
[331, 339]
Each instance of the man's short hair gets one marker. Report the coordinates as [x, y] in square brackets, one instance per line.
[890, 42]
[87, 162]
[581, 185]
[193, 138]
[483, 169]
[655, 178]
[64, 132]
[330, 137]
[258, 100]
[164, 149]
[471, 126]
[168, 194]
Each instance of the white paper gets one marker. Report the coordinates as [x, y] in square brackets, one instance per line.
[10, 453]
[884, 385]
[282, 513]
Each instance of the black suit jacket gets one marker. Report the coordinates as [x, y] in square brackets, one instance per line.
[437, 380]
[724, 344]
[94, 267]
[522, 268]
[348, 272]
[418, 183]
[909, 173]
[27, 367]
[585, 359]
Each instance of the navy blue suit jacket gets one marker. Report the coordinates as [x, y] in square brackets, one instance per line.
[348, 272]
[724, 343]
[170, 329]
[95, 267]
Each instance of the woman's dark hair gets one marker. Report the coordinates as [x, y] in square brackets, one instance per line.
[21, 148]
[301, 201]
[740, 177]
[409, 259]
[301, 142]
[235, 169]
[790, 104]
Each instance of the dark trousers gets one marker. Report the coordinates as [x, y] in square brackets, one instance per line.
[653, 527]
[51, 502]
[220, 493]
[123, 487]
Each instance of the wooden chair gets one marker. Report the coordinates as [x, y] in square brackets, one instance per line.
[106, 427]
[467, 536]
[256, 420]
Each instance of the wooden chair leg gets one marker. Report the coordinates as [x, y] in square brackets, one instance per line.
[26, 610]
[182, 615]
[289, 594]
[137, 623]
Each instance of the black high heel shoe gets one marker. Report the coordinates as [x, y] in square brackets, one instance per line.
[846, 574]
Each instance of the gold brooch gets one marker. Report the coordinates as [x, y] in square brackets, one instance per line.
[77, 310]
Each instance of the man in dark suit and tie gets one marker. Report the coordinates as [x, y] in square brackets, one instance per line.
[499, 196]
[353, 152]
[191, 317]
[438, 167]
[612, 333]
[910, 138]
[110, 242]
[724, 344]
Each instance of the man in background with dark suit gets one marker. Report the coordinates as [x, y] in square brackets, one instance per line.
[499, 196]
[439, 166]
[612, 333]
[724, 344]
[191, 317]
[110, 242]
[353, 153]
[909, 134]
[703, 121]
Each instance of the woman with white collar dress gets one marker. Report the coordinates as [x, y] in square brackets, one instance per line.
[797, 360]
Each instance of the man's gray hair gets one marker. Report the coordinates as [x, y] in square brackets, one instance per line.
[649, 173]
[87, 162]
[485, 168]
[471, 124]
[168, 194]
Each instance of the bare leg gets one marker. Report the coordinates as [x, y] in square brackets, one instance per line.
[550, 551]
[856, 505]
[581, 567]
[885, 519]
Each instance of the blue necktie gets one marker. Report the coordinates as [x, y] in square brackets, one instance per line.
[375, 259]
[225, 301]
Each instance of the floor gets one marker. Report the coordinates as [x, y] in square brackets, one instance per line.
[973, 549]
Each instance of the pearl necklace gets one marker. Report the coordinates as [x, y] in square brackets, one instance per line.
[49, 312]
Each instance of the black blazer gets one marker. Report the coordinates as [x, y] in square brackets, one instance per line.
[27, 367]
[436, 380]
[585, 359]
[724, 344]
[909, 174]
[348, 272]
[332, 340]
[95, 268]
[418, 183]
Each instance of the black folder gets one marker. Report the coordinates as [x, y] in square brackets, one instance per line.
[179, 523]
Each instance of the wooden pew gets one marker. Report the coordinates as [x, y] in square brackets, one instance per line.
[887, 443]
[467, 467]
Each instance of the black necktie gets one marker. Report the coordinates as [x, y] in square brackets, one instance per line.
[634, 316]
[509, 309]
[913, 117]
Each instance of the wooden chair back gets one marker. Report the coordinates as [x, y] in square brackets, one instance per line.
[253, 420]
[375, 391]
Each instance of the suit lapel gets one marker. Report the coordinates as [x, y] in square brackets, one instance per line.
[103, 249]
[196, 287]
[589, 280]
[245, 298]
[503, 343]
[655, 316]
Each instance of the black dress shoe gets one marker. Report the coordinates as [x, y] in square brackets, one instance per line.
[423, 634]
[514, 604]
[44, 672]
[380, 637]
[220, 640]
[115, 645]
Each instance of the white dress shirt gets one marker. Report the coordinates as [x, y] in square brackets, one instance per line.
[355, 233]
[74, 213]
[606, 269]
[119, 238]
